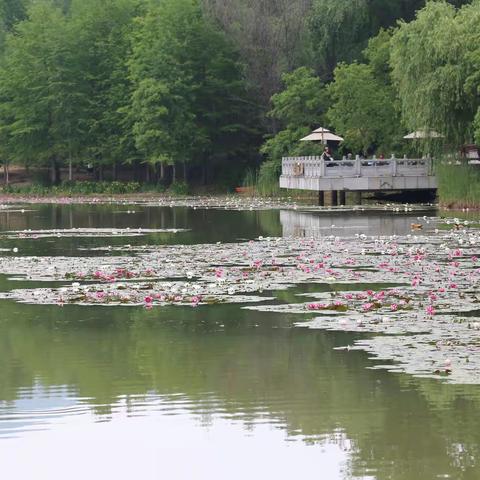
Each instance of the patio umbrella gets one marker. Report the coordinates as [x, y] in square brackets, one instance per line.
[322, 135]
[423, 134]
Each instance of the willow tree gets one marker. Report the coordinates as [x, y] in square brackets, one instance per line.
[434, 69]
[340, 29]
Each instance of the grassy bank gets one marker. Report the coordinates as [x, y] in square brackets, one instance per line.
[94, 188]
[458, 186]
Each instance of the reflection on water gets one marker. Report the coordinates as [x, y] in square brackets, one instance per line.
[317, 224]
[204, 226]
[163, 446]
[213, 392]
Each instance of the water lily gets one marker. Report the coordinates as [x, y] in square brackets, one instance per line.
[367, 306]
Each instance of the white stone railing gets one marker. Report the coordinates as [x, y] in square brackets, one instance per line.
[315, 167]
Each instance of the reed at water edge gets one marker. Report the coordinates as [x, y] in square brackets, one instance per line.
[458, 185]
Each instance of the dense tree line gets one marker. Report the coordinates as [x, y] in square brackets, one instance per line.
[419, 74]
[197, 84]
[110, 82]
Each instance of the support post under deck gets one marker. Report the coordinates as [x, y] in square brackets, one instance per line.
[321, 198]
[341, 197]
[334, 198]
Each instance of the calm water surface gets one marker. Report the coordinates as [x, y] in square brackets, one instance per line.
[214, 392]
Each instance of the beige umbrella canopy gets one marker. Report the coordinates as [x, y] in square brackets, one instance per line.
[423, 134]
[322, 135]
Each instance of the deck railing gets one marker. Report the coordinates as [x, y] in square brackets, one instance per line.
[315, 167]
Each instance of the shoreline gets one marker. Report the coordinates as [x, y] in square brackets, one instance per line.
[459, 205]
[218, 200]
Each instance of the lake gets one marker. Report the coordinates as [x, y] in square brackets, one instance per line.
[214, 391]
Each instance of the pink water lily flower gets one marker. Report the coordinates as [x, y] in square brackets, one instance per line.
[367, 306]
[317, 306]
[195, 300]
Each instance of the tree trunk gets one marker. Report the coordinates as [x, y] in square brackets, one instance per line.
[55, 176]
[147, 173]
[174, 173]
[100, 173]
[6, 173]
[114, 171]
[70, 170]
[185, 172]
[162, 172]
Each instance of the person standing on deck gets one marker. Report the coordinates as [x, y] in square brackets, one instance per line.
[326, 155]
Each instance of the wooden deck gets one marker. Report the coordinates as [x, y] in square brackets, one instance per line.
[312, 173]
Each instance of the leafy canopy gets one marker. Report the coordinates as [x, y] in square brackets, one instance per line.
[299, 107]
[363, 108]
[434, 63]
[189, 98]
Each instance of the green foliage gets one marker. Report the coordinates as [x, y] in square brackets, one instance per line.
[62, 83]
[377, 55]
[179, 188]
[340, 29]
[40, 83]
[435, 69]
[302, 101]
[11, 12]
[272, 38]
[299, 107]
[173, 81]
[189, 98]
[363, 108]
[120, 81]
[267, 182]
[458, 185]
[250, 179]
[76, 188]
[103, 39]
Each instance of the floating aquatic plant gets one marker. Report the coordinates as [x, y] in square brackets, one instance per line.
[430, 285]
